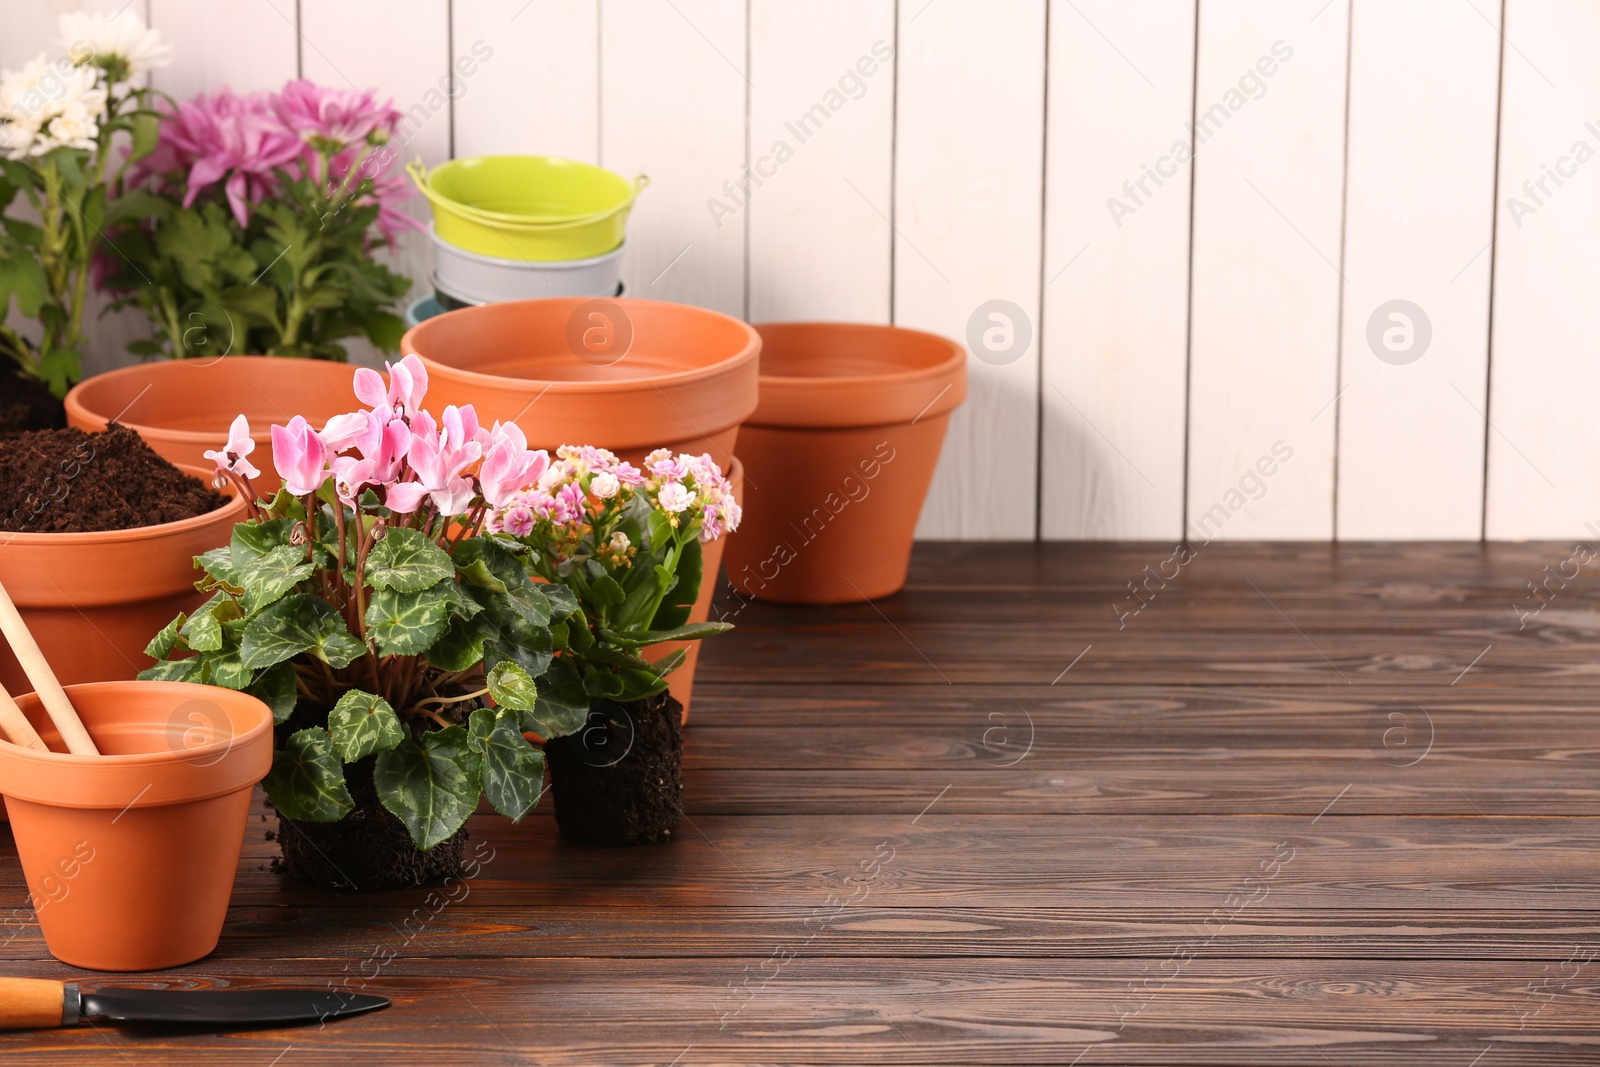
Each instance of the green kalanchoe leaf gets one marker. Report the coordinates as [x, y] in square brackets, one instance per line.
[406, 561]
[431, 787]
[513, 770]
[275, 687]
[561, 599]
[307, 780]
[296, 624]
[693, 631]
[477, 573]
[363, 723]
[407, 624]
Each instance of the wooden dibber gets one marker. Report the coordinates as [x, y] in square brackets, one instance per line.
[15, 725]
[51, 695]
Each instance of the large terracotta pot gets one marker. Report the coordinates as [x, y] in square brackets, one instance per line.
[130, 855]
[183, 407]
[628, 375]
[839, 456]
[94, 600]
[680, 683]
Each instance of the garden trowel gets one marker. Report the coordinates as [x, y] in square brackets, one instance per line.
[32, 1004]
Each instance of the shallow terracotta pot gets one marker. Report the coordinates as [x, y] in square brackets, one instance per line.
[94, 600]
[628, 375]
[839, 456]
[183, 407]
[130, 855]
[680, 683]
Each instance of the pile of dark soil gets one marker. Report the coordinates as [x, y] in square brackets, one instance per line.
[68, 481]
[26, 404]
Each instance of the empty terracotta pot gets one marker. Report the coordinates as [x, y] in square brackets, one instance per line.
[680, 683]
[130, 855]
[838, 458]
[94, 600]
[628, 375]
[182, 407]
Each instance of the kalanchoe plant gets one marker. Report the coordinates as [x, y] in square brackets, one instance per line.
[625, 542]
[373, 607]
[58, 117]
[256, 233]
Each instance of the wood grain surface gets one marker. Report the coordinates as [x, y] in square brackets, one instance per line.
[910, 838]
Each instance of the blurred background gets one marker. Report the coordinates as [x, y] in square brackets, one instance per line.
[1284, 269]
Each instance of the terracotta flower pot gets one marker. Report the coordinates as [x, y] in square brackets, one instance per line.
[183, 407]
[94, 600]
[130, 855]
[839, 456]
[680, 683]
[628, 375]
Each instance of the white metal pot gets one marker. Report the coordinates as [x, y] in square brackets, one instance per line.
[476, 279]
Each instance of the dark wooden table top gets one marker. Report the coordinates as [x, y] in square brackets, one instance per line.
[1294, 804]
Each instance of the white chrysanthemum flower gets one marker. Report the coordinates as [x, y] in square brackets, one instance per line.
[121, 43]
[47, 105]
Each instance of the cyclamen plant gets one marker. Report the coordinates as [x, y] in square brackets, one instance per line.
[58, 118]
[372, 607]
[625, 542]
[255, 225]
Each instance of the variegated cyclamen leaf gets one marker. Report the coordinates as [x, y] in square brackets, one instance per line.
[406, 624]
[164, 642]
[406, 561]
[513, 770]
[460, 647]
[174, 670]
[363, 723]
[431, 787]
[251, 540]
[307, 779]
[203, 631]
[296, 624]
[563, 704]
[275, 687]
[267, 577]
[512, 687]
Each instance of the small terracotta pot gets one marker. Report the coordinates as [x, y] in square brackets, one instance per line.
[628, 375]
[94, 600]
[183, 407]
[130, 855]
[839, 457]
[680, 683]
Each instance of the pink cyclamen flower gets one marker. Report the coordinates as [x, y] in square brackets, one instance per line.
[438, 461]
[343, 431]
[408, 383]
[232, 455]
[674, 498]
[300, 456]
[508, 465]
[383, 449]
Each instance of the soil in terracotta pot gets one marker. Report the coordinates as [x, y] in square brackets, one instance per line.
[68, 481]
[26, 403]
[619, 780]
[367, 849]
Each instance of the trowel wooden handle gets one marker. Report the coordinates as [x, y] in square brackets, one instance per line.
[37, 668]
[31, 1004]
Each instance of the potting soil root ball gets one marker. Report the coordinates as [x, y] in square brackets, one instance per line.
[619, 780]
[68, 481]
[367, 849]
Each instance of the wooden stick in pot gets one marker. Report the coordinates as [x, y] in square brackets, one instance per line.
[15, 725]
[51, 695]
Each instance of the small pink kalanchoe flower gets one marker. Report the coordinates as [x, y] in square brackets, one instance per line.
[232, 455]
[300, 456]
[674, 497]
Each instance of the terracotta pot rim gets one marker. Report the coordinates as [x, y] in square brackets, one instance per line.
[826, 402]
[9, 751]
[750, 351]
[235, 507]
[77, 409]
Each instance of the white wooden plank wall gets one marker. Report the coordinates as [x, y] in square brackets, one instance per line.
[914, 161]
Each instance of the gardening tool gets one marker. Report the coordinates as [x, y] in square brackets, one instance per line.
[37, 1004]
[37, 668]
[15, 725]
